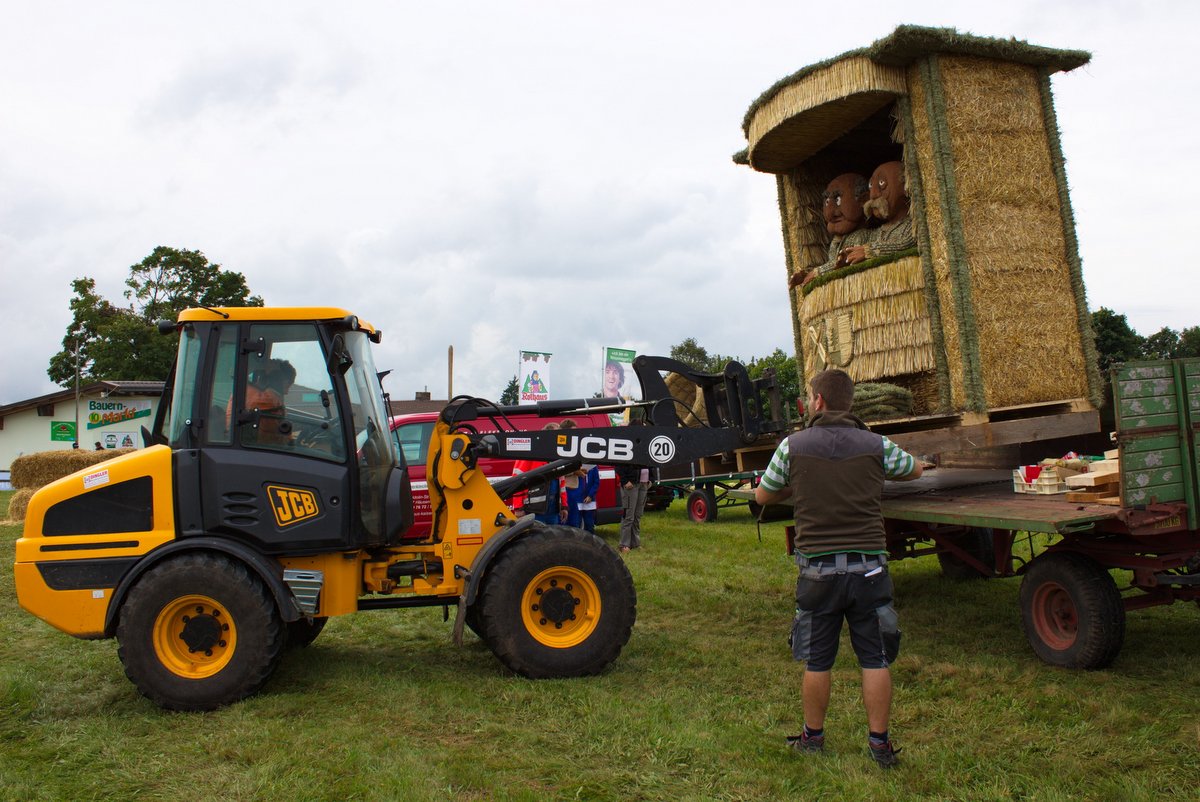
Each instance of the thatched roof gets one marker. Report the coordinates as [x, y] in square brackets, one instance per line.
[810, 108]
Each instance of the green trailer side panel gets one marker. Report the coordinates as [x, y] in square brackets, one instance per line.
[1157, 405]
[1189, 371]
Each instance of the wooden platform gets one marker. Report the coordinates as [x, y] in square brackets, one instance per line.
[936, 434]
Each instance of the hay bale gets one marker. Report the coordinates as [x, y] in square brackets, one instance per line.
[31, 471]
[690, 406]
[18, 504]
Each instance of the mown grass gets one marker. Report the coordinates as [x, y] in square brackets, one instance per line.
[383, 706]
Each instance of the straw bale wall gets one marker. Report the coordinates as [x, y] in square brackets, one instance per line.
[873, 324]
[1026, 334]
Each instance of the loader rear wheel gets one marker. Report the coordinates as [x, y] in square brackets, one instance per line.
[199, 631]
[557, 603]
[1072, 611]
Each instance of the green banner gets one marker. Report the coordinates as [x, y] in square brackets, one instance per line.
[62, 431]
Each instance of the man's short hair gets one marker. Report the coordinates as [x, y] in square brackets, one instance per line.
[836, 387]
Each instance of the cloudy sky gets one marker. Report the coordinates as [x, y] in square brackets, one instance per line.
[494, 176]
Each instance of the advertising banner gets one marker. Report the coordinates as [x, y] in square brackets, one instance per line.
[533, 377]
[618, 379]
[107, 412]
[62, 431]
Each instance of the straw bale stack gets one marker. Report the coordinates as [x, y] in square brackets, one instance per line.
[993, 313]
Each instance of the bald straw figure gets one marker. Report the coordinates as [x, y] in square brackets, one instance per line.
[842, 206]
[889, 202]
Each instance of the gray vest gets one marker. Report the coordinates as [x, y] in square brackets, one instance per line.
[836, 475]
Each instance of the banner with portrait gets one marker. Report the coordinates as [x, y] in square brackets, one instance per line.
[618, 379]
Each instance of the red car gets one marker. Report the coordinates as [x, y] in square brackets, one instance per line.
[412, 434]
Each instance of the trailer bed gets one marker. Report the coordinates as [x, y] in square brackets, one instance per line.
[974, 497]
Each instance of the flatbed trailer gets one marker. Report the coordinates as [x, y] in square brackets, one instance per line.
[1071, 607]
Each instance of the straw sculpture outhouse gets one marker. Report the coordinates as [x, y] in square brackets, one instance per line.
[988, 311]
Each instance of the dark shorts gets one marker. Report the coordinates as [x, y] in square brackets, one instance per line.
[861, 594]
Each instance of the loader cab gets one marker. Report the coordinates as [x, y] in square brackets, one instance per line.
[280, 432]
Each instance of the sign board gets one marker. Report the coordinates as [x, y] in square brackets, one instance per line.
[103, 412]
[62, 431]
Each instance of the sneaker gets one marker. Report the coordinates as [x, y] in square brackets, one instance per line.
[806, 743]
[884, 754]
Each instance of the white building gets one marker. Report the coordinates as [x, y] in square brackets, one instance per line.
[108, 413]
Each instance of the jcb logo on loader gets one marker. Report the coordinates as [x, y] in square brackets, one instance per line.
[292, 505]
[595, 448]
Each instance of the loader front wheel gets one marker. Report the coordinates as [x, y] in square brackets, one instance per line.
[557, 603]
[199, 631]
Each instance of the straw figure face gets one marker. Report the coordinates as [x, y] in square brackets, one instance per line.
[843, 200]
[889, 197]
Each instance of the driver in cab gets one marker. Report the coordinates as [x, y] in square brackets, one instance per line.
[265, 391]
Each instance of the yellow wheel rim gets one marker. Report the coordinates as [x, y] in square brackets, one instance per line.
[194, 636]
[561, 607]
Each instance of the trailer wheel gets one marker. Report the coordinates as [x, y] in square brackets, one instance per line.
[1072, 611]
[198, 632]
[557, 603]
[978, 542]
[303, 631]
[702, 505]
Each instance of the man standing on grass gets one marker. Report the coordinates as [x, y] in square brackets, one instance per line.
[833, 472]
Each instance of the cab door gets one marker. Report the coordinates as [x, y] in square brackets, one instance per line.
[273, 468]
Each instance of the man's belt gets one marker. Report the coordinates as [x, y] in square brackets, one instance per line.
[843, 562]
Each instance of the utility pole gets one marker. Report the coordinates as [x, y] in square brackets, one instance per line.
[76, 443]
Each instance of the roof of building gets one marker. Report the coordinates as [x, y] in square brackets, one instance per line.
[105, 388]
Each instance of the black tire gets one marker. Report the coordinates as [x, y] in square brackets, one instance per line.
[702, 505]
[1072, 611]
[979, 543]
[199, 631]
[558, 602]
[303, 631]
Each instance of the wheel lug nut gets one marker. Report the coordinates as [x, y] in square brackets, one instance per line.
[558, 624]
[208, 652]
[553, 583]
[199, 609]
[572, 616]
[535, 608]
[576, 600]
[186, 619]
[542, 622]
[538, 591]
[569, 588]
[221, 643]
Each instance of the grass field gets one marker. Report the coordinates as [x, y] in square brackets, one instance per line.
[384, 706]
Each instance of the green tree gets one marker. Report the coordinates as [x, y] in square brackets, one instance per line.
[511, 394]
[1162, 344]
[787, 378]
[1189, 342]
[696, 356]
[1115, 340]
[122, 343]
